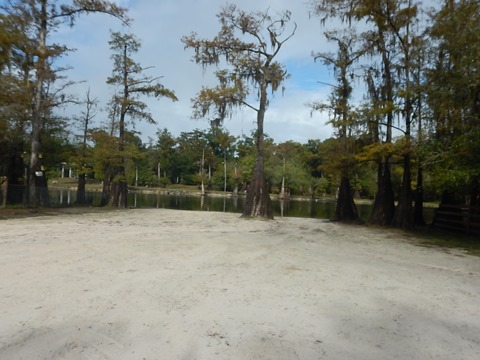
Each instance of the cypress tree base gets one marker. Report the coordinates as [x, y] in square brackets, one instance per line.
[258, 202]
[345, 210]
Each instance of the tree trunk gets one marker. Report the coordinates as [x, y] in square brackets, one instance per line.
[258, 202]
[105, 189]
[345, 209]
[119, 189]
[38, 187]
[225, 171]
[3, 191]
[418, 218]
[384, 204]
[81, 198]
[475, 192]
[282, 189]
[136, 175]
[403, 217]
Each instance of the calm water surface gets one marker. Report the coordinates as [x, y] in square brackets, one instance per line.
[321, 209]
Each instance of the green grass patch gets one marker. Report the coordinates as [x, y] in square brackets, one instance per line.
[431, 237]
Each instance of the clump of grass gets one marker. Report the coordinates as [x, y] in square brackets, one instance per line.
[432, 237]
[17, 212]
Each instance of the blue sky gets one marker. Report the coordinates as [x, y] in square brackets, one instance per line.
[160, 24]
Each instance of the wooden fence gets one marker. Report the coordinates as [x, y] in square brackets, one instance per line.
[465, 219]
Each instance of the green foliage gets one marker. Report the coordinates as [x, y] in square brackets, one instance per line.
[288, 164]
[248, 43]
[246, 159]
[425, 80]
[375, 151]
[250, 64]
[454, 96]
[28, 68]
[129, 76]
[105, 153]
[193, 157]
[365, 180]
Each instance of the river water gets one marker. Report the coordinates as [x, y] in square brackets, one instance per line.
[318, 208]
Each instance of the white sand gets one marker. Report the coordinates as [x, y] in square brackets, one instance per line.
[164, 284]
